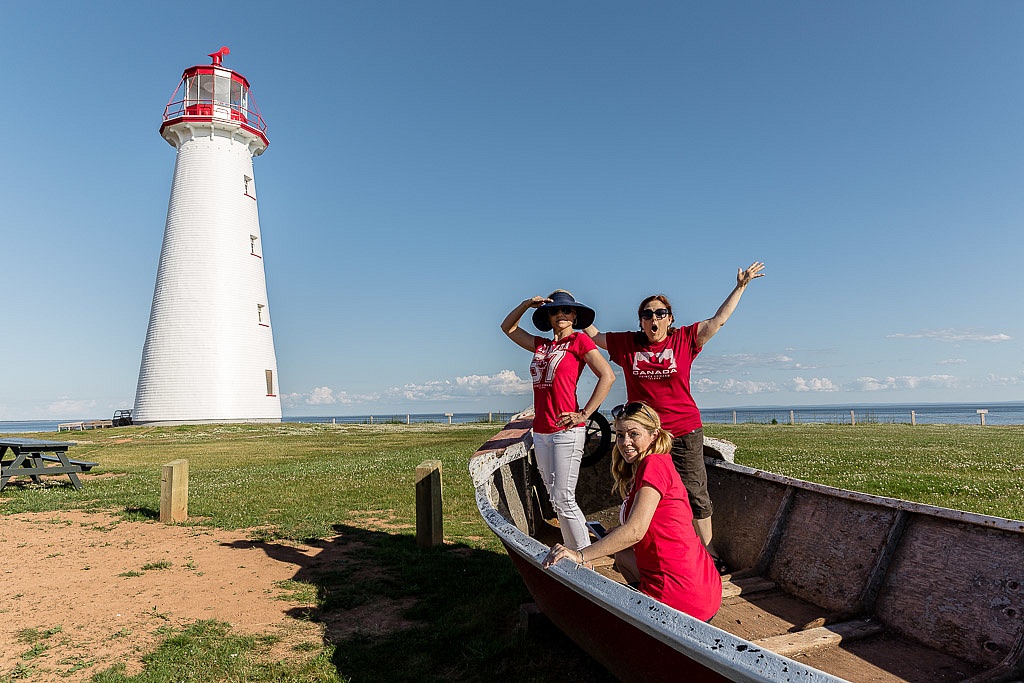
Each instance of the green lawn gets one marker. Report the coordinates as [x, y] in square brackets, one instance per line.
[315, 481]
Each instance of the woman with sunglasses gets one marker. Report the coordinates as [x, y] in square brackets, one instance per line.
[655, 543]
[656, 364]
[559, 430]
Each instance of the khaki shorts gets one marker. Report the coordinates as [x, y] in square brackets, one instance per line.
[688, 457]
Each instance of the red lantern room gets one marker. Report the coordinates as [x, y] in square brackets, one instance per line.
[212, 94]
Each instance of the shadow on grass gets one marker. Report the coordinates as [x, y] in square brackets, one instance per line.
[393, 611]
[135, 513]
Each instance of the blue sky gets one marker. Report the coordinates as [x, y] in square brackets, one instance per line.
[434, 163]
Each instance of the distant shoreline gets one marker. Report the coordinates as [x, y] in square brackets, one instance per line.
[999, 414]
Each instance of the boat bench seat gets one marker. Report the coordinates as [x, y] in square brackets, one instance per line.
[789, 644]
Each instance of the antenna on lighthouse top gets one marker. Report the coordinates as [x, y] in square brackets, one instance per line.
[218, 56]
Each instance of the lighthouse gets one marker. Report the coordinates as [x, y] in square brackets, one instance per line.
[209, 353]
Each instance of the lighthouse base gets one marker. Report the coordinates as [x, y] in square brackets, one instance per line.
[176, 423]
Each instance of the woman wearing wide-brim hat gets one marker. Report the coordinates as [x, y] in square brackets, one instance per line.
[559, 430]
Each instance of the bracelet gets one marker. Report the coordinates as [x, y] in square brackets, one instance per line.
[581, 557]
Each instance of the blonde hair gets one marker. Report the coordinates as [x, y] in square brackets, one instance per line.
[624, 472]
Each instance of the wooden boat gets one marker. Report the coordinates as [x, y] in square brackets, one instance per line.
[831, 585]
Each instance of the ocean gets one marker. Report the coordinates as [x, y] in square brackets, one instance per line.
[865, 413]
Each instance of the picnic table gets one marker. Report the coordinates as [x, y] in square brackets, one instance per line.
[35, 458]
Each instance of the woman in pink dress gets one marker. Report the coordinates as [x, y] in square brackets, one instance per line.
[656, 544]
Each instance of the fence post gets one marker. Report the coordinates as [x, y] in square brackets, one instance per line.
[429, 530]
[734, 417]
[913, 418]
[853, 421]
[174, 492]
[792, 418]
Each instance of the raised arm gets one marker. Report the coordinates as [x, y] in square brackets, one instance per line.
[619, 538]
[708, 328]
[510, 325]
[598, 337]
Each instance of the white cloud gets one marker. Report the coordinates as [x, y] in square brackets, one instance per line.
[1013, 380]
[812, 384]
[321, 396]
[325, 396]
[903, 382]
[503, 383]
[67, 407]
[733, 386]
[952, 361]
[437, 390]
[952, 335]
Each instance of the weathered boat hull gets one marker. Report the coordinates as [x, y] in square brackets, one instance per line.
[864, 587]
[632, 635]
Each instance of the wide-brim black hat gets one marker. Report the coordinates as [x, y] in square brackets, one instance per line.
[584, 314]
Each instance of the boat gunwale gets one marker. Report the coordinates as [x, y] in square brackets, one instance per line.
[988, 521]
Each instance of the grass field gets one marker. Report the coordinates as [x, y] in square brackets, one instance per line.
[304, 481]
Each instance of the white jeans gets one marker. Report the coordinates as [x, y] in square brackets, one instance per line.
[558, 460]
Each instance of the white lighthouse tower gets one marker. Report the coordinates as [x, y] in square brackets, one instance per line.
[209, 353]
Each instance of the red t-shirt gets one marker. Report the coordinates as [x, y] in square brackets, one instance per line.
[675, 568]
[556, 369]
[659, 375]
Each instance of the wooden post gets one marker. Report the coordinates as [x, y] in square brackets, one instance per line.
[489, 416]
[981, 414]
[734, 417]
[853, 420]
[371, 419]
[174, 492]
[408, 419]
[792, 418]
[429, 525]
[913, 418]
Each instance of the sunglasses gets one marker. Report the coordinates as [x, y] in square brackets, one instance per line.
[624, 410]
[661, 313]
[555, 310]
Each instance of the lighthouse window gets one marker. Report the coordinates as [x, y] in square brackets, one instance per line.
[192, 96]
[250, 189]
[199, 95]
[270, 382]
[238, 98]
[222, 89]
[205, 87]
[259, 314]
[252, 246]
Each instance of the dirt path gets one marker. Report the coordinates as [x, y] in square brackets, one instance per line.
[83, 591]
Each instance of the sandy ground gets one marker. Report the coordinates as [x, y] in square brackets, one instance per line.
[83, 591]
